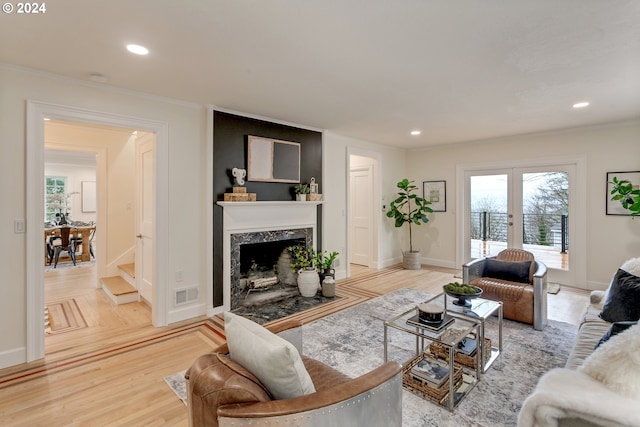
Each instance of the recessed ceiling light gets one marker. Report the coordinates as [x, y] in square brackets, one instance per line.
[46, 119]
[415, 132]
[137, 49]
[580, 104]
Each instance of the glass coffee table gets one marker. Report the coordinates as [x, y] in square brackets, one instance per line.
[420, 373]
[481, 309]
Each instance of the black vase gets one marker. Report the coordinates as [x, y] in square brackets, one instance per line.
[327, 272]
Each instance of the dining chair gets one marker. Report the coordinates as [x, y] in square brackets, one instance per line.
[63, 245]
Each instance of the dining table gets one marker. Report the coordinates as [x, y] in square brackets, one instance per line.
[74, 231]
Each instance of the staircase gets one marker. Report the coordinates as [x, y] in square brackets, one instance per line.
[121, 289]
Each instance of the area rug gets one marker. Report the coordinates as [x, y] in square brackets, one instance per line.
[352, 342]
[65, 316]
[69, 264]
[178, 384]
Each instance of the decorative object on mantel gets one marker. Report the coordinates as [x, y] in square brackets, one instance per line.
[239, 175]
[301, 190]
[239, 195]
[401, 211]
[313, 195]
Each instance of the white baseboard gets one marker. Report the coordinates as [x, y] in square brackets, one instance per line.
[13, 357]
[180, 314]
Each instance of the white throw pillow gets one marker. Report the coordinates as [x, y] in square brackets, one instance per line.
[632, 266]
[616, 363]
[273, 360]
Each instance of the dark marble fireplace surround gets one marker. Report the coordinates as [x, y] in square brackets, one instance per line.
[239, 293]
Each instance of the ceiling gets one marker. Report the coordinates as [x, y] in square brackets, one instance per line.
[368, 69]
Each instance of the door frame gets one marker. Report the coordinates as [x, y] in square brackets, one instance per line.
[371, 206]
[577, 206]
[37, 111]
[377, 207]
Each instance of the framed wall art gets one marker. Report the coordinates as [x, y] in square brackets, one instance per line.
[436, 193]
[614, 207]
[272, 160]
[88, 196]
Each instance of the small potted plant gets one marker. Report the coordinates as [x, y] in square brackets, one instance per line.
[303, 260]
[301, 191]
[324, 263]
[402, 211]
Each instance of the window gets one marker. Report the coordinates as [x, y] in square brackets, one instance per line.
[54, 196]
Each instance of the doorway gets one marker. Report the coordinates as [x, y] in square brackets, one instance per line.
[363, 218]
[37, 112]
[531, 207]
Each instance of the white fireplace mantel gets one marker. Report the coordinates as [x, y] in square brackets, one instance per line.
[249, 217]
[267, 215]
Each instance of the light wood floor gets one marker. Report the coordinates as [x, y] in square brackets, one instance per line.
[112, 372]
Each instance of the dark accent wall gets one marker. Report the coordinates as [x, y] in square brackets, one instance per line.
[230, 133]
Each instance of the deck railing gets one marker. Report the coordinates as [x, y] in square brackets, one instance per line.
[537, 229]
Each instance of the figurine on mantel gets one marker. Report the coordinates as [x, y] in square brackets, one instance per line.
[239, 175]
[239, 190]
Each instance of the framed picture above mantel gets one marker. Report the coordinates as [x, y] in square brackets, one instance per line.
[436, 193]
[272, 160]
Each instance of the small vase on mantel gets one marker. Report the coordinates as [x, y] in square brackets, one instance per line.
[308, 282]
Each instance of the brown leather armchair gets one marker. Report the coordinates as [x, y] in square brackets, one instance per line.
[524, 297]
[223, 393]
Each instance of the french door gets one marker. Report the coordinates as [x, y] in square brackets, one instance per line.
[526, 207]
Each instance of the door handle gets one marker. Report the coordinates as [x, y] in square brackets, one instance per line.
[139, 236]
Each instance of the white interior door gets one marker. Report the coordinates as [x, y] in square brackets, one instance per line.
[145, 213]
[361, 209]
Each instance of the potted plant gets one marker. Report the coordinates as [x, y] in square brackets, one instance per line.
[303, 260]
[623, 190]
[409, 208]
[301, 191]
[324, 262]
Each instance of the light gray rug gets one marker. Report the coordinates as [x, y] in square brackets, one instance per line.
[352, 342]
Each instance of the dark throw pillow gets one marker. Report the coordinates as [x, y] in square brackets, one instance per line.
[623, 298]
[615, 329]
[513, 271]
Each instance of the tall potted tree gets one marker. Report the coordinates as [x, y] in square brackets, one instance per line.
[409, 208]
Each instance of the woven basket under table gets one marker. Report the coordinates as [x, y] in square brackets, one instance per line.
[425, 389]
[442, 352]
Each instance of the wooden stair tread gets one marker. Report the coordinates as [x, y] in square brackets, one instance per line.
[130, 269]
[118, 286]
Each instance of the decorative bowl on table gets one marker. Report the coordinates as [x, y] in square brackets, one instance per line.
[463, 292]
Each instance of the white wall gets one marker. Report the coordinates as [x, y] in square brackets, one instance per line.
[336, 163]
[610, 239]
[187, 243]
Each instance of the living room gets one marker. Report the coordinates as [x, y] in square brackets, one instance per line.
[595, 143]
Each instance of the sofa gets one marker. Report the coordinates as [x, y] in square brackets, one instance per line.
[597, 386]
[222, 391]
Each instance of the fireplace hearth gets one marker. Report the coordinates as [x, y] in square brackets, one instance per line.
[254, 236]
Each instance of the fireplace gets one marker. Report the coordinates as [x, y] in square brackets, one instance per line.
[253, 229]
[255, 276]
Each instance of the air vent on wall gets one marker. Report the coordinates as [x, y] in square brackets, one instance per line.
[186, 295]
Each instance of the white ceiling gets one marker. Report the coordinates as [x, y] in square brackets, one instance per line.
[371, 69]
